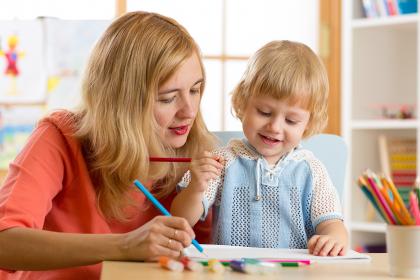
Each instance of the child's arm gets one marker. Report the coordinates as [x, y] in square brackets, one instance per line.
[331, 239]
[188, 203]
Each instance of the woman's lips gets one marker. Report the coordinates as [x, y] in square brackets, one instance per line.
[180, 130]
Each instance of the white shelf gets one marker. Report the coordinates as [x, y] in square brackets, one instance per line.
[368, 227]
[393, 21]
[384, 124]
[380, 65]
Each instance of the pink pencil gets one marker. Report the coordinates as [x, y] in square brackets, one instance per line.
[169, 159]
[414, 207]
[307, 262]
[382, 201]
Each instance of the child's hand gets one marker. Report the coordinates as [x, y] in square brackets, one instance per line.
[326, 245]
[204, 169]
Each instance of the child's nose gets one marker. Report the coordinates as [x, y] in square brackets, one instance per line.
[275, 126]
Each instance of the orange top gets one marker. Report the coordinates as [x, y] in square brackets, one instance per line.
[48, 187]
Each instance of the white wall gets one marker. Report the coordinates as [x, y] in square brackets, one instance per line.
[249, 24]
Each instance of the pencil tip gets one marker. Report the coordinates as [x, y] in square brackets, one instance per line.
[204, 253]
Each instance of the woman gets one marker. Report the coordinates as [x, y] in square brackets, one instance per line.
[68, 202]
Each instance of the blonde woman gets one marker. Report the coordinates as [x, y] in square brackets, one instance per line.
[68, 202]
[269, 191]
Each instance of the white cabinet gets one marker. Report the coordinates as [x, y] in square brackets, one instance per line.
[380, 65]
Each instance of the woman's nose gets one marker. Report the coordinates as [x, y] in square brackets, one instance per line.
[186, 109]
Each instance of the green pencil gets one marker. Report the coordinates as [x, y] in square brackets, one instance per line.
[223, 262]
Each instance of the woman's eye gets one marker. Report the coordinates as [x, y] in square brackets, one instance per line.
[195, 91]
[167, 100]
[265, 114]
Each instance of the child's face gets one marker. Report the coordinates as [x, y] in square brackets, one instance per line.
[273, 127]
[178, 101]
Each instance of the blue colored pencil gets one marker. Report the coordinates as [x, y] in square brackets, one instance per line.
[372, 200]
[162, 209]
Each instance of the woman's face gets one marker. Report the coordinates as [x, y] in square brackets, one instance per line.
[178, 101]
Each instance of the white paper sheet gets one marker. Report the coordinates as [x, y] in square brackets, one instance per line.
[223, 252]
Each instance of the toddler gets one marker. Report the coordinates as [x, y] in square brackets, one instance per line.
[266, 191]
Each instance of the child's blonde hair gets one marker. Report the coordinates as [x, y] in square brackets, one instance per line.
[290, 71]
[138, 53]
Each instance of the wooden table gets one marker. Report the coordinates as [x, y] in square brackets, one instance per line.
[374, 270]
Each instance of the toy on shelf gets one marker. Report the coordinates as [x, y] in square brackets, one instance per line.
[395, 111]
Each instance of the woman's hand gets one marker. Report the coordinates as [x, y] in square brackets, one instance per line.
[204, 169]
[162, 236]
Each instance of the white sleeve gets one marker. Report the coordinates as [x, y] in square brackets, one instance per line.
[212, 195]
[212, 189]
[325, 203]
[215, 186]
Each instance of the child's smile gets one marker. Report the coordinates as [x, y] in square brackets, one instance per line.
[269, 140]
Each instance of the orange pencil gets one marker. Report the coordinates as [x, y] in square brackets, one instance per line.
[399, 200]
[388, 200]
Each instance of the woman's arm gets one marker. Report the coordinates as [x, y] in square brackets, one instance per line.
[33, 249]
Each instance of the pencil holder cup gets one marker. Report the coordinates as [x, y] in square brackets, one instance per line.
[403, 246]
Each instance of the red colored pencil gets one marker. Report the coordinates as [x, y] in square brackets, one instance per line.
[169, 159]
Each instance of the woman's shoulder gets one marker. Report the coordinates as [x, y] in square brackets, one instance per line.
[51, 143]
[57, 130]
[63, 120]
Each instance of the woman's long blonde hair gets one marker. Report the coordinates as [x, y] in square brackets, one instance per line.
[286, 70]
[137, 53]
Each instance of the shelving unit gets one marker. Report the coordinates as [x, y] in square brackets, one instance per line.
[380, 62]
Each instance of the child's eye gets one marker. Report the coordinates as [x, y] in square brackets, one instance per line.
[265, 114]
[292, 122]
[167, 100]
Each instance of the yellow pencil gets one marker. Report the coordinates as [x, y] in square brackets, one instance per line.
[397, 215]
[398, 199]
[397, 208]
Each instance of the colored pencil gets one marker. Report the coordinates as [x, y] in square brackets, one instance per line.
[169, 159]
[382, 202]
[364, 180]
[162, 209]
[286, 261]
[372, 200]
[385, 194]
[223, 262]
[399, 200]
[414, 207]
